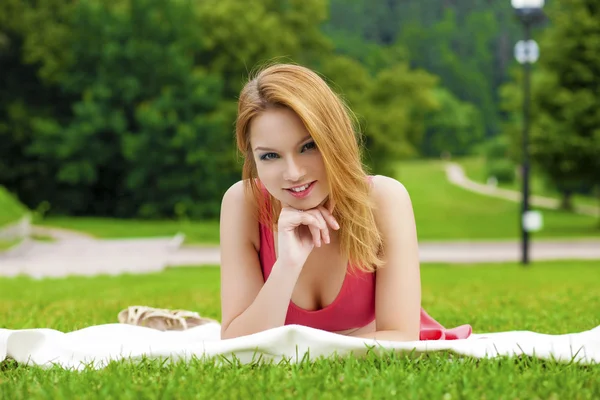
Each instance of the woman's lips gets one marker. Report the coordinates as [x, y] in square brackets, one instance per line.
[304, 193]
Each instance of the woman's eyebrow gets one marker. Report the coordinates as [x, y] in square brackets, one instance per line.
[269, 149]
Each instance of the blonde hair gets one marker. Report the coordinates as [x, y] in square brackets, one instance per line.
[328, 120]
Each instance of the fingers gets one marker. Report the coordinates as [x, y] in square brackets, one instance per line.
[326, 220]
[329, 218]
[324, 229]
[318, 220]
[315, 225]
[316, 234]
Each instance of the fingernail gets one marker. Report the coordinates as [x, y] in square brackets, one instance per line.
[337, 226]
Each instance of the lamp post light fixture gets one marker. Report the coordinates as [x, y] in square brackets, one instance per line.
[529, 12]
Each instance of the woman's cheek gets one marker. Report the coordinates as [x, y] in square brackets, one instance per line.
[268, 177]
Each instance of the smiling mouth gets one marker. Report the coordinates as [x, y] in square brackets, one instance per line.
[300, 189]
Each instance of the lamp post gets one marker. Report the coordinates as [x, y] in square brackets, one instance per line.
[526, 52]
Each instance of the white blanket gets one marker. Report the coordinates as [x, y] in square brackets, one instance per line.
[95, 346]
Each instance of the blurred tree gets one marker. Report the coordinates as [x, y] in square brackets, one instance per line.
[565, 134]
[129, 105]
[139, 113]
[468, 44]
[452, 127]
[391, 107]
[449, 125]
[399, 102]
[408, 122]
[460, 56]
[25, 56]
[241, 36]
[142, 123]
[374, 57]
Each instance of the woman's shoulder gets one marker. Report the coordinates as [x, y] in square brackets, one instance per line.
[238, 192]
[386, 185]
[388, 193]
[238, 210]
[235, 192]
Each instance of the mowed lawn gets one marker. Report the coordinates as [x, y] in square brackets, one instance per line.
[547, 297]
[443, 212]
[475, 169]
[10, 211]
[10, 208]
[196, 232]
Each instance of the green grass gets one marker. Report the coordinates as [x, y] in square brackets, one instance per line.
[8, 244]
[547, 297]
[444, 211]
[475, 169]
[197, 232]
[42, 238]
[11, 210]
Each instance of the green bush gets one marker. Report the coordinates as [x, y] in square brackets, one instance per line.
[454, 126]
[496, 148]
[502, 169]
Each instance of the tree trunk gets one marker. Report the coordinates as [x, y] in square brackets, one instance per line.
[566, 202]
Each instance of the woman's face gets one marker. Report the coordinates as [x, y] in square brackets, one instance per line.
[287, 158]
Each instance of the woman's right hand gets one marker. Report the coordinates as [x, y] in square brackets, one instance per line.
[299, 231]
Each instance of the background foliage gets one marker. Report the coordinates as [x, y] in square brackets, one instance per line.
[125, 108]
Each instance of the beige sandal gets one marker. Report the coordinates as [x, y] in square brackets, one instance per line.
[162, 319]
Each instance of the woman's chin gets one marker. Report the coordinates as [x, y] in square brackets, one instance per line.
[314, 203]
[325, 202]
[306, 204]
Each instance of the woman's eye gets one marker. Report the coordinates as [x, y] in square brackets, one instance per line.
[272, 156]
[310, 146]
[268, 156]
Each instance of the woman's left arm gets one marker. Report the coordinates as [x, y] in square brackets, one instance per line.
[398, 282]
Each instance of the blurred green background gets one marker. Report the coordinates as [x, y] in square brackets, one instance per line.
[117, 117]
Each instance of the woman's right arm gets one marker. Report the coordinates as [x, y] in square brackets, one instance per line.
[249, 305]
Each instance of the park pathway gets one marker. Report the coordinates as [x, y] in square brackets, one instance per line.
[74, 253]
[456, 175]
[464, 252]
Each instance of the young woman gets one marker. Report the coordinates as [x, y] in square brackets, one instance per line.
[307, 237]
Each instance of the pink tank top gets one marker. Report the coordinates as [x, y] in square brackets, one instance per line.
[354, 306]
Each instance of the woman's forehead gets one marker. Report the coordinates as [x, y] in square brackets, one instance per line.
[277, 128]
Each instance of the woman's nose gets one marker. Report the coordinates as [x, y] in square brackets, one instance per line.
[293, 171]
